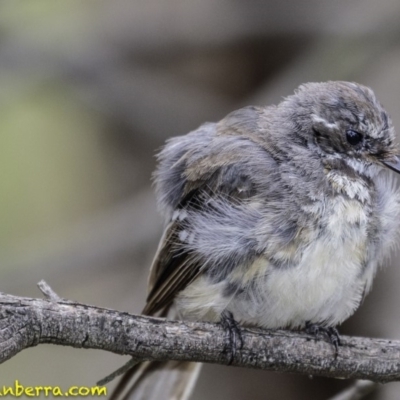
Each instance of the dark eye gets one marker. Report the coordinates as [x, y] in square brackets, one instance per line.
[354, 137]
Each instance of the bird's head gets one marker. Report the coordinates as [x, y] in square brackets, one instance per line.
[346, 122]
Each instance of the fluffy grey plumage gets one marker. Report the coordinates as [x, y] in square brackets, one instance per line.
[280, 215]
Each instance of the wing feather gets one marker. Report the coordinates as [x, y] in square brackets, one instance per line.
[194, 179]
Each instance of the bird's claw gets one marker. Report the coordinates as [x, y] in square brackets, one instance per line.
[331, 333]
[234, 334]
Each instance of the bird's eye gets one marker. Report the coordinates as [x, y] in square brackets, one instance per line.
[354, 137]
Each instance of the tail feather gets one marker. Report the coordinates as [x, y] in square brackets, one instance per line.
[169, 380]
[124, 381]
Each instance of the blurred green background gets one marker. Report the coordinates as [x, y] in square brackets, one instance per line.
[90, 90]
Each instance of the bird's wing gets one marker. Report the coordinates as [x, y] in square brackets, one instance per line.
[220, 172]
[171, 272]
[174, 267]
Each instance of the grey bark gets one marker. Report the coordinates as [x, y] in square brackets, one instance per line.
[27, 322]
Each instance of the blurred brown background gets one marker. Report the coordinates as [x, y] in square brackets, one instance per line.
[89, 90]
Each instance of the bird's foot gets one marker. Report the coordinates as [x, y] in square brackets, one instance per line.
[331, 333]
[234, 334]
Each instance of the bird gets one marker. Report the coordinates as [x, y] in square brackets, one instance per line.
[276, 217]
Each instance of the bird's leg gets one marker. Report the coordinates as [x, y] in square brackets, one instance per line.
[331, 333]
[234, 334]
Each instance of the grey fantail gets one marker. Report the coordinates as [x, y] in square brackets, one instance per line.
[276, 217]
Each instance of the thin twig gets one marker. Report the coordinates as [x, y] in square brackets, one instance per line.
[48, 292]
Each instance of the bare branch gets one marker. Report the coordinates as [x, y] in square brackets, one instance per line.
[48, 292]
[26, 322]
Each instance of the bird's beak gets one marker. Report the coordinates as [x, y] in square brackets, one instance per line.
[394, 164]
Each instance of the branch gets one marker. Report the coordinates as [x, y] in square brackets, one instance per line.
[27, 322]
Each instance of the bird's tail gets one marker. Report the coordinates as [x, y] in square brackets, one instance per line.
[169, 380]
[151, 380]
